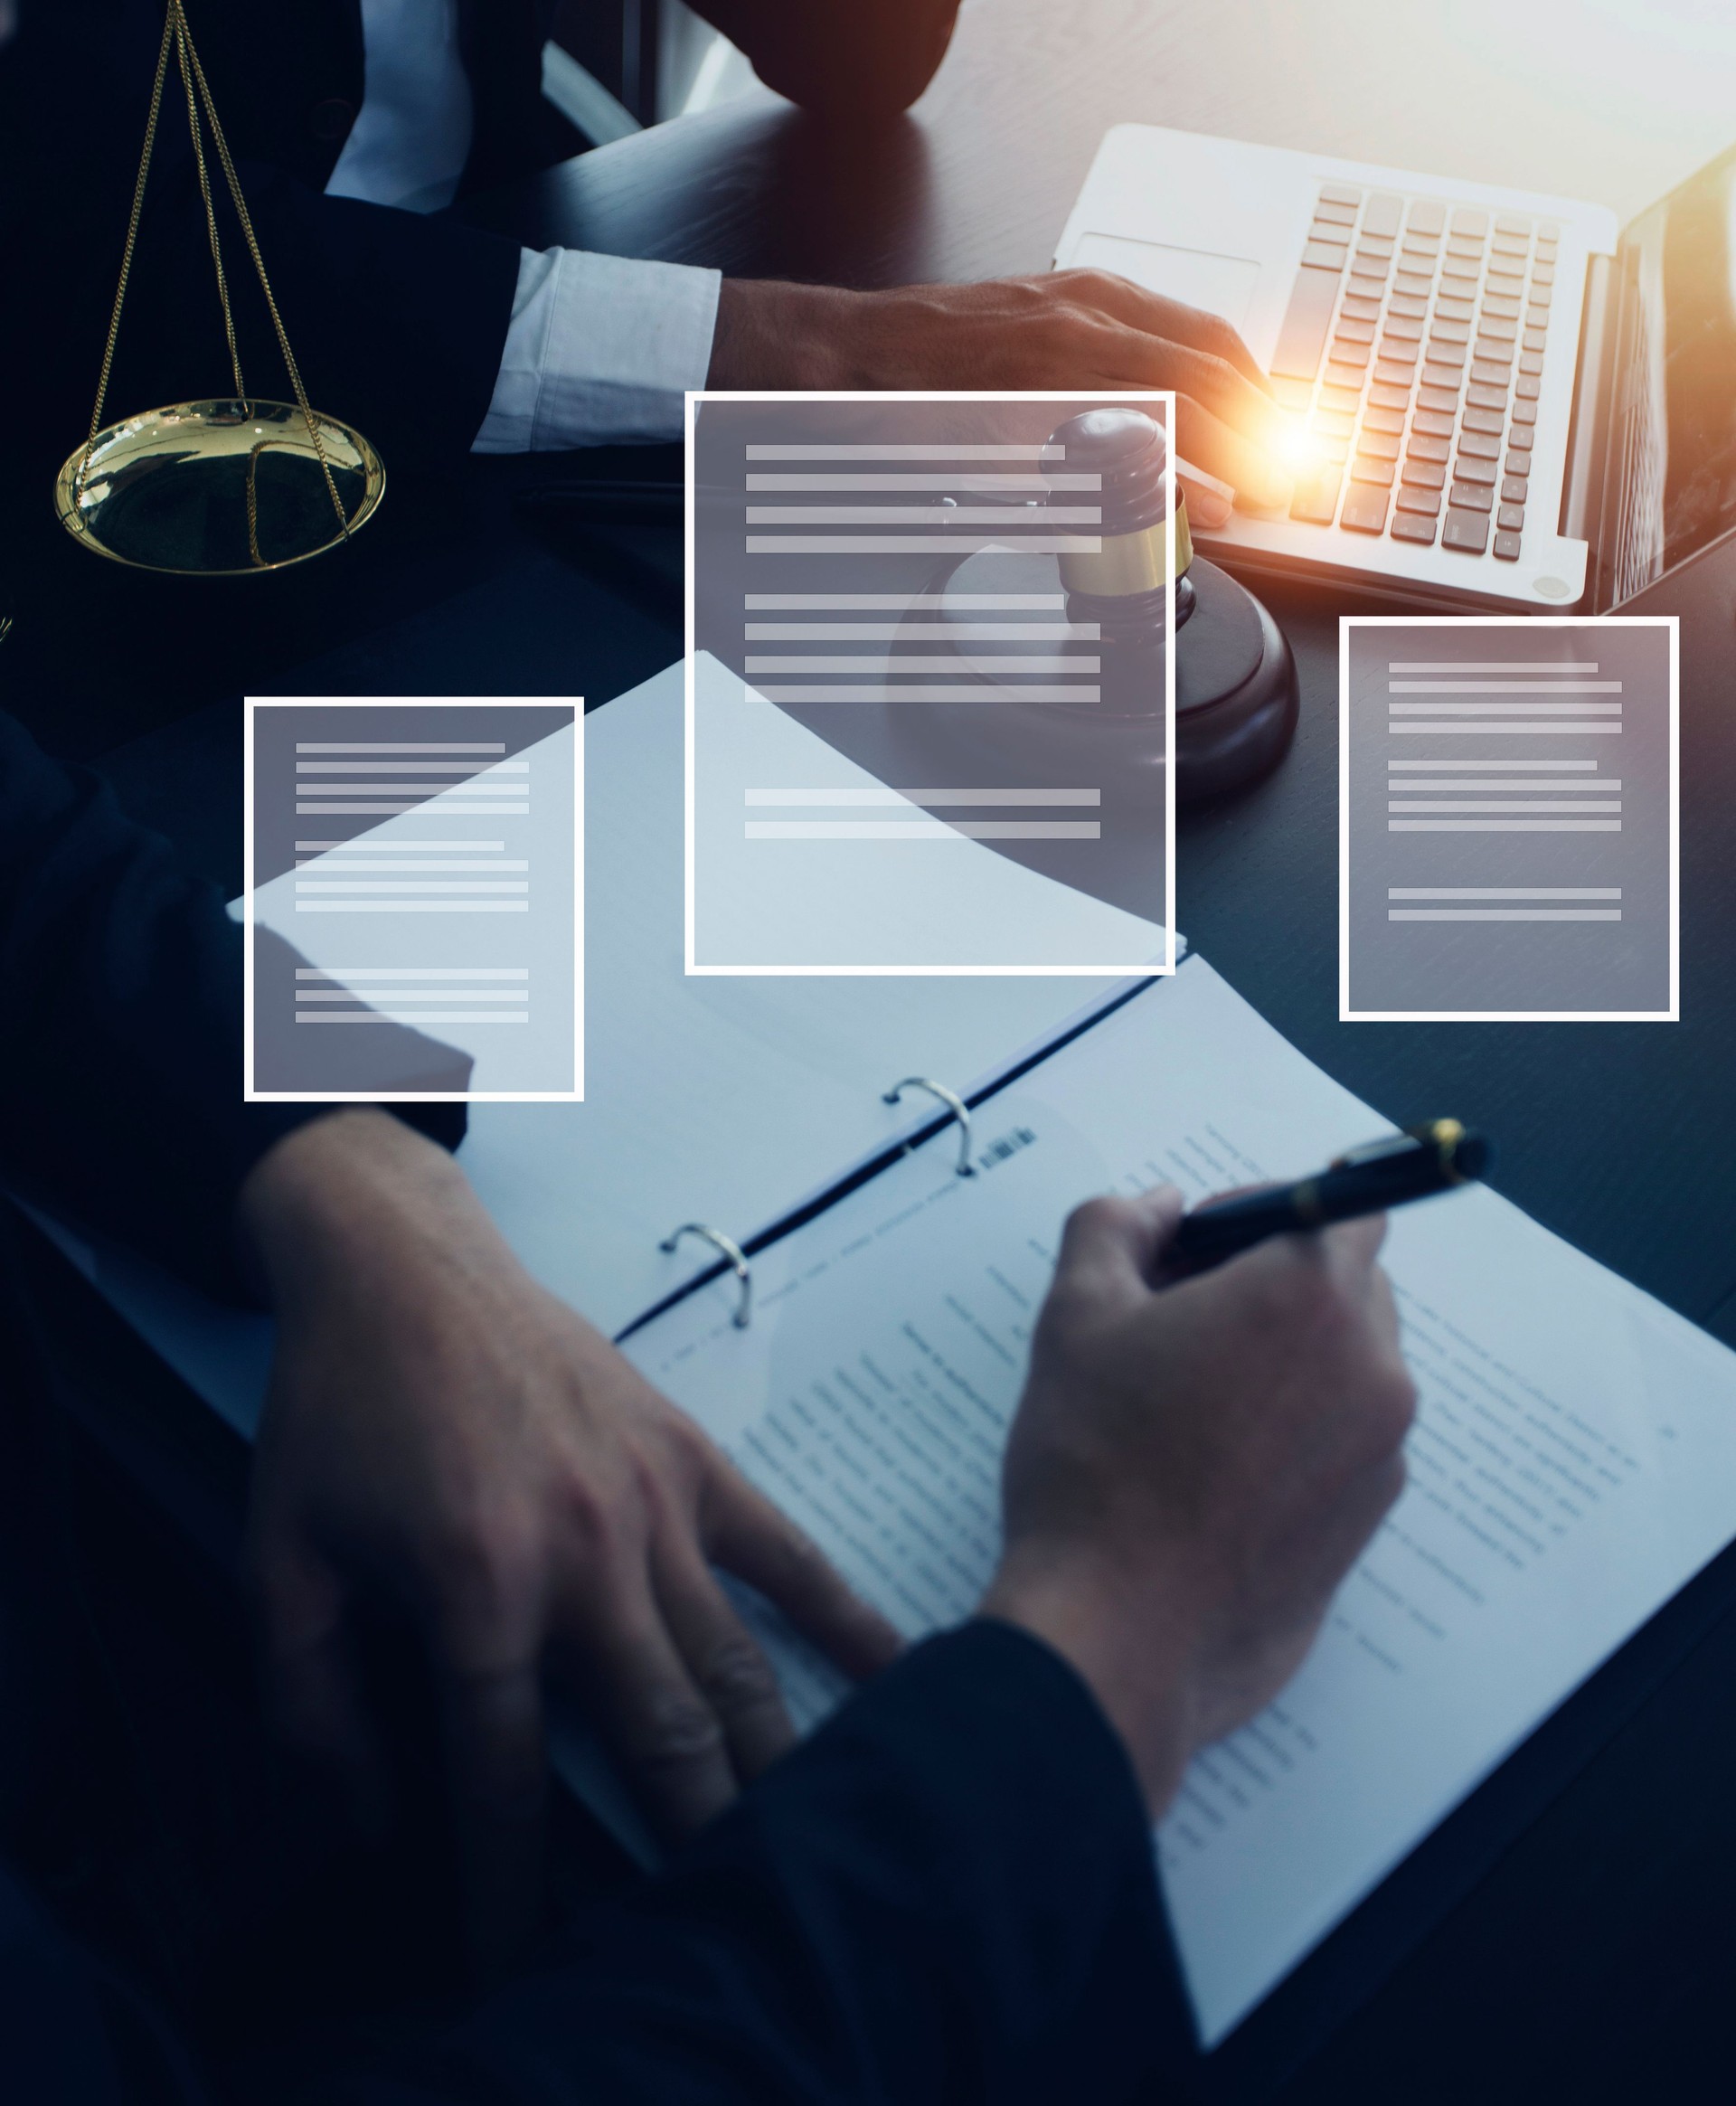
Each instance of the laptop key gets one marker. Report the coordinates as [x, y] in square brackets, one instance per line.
[1379, 445]
[1514, 489]
[1398, 350]
[1534, 340]
[1427, 475]
[1506, 546]
[1425, 447]
[1488, 373]
[1382, 213]
[1339, 194]
[1392, 373]
[1542, 274]
[1528, 387]
[1482, 396]
[1442, 376]
[1409, 305]
[1409, 327]
[1344, 215]
[1511, 517]
[1518, 464]
[1325, 255]
[1340, 373]
[1510, 225]
[1334, 398]
[1411, 282]
[1387, 395]
[1356, 309]
[1365, 469]
[1476, 471]
[1349, 330]
[1536, 318]
[1412, 526]
[1497, 327]
[1449, 309]
[1383, 421]
[1519, 440]
[1509, 245]
[1502, 304]
[1317, 495]
[1413, 497]
[1442, 400]
[1470, 497]
[1426, 216]
[1435, 424]
[1479, 445]
[1468, 531]
[1531, 363]
[1443, 329]
[1524, 413]
[1466, 222]
[1364, 509]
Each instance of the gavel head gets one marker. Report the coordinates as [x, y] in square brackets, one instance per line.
[1126, 450]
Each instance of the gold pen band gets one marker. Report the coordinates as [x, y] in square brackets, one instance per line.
[1130, 562]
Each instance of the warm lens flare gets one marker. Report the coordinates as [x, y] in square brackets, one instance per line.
[1297, 449]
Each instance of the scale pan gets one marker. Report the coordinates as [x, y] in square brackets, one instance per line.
[217, 489]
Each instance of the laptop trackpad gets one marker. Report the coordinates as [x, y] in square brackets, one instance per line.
[1222, 285]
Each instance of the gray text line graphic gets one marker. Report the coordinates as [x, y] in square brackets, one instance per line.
[474, 771]
[1489, 730]
[1517, 804]
[912, 516]
[401, 846]
[917, 545]
[1569, 785]
[348, 810]
[924, 829]
[887, 665]
[960, 691]
[412, 906]
[1504, 709]
[1504, 687]
[412, 972]
[1033, 451]
[399, 746]
[881, 794]
[384, 995]
[426, 866]
[413, 1016]
[984, 483]
[1504, 892]
[1490, 665]
[1531, 766]
[1504, 914]
[886, 632]
[1503, 825]
[895, 602]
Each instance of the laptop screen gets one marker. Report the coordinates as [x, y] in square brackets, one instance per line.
[1671, 467]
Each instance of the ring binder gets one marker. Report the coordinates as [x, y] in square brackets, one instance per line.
[954, 1104]
[732, 1252]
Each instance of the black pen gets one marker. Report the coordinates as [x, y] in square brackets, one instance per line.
[1413, 1165]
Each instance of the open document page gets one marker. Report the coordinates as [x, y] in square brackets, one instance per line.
[1572, 1465]
[724, 1100]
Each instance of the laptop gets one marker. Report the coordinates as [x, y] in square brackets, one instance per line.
[1508, 400]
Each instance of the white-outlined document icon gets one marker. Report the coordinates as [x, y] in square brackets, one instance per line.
[413, 911]
[1508, 820]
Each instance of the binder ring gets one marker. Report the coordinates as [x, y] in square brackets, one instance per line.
[954, 1104]
[732, 1252]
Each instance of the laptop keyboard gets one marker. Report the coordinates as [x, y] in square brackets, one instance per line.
[1414, 343]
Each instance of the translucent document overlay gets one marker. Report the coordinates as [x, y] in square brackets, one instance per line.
[1508, 819]
[413, 909]
[1573, 1462]
[906, 749]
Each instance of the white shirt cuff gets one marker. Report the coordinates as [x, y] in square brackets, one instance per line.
[601, 351]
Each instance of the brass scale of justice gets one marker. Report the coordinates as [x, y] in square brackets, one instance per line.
[242, 486]
[229, 487]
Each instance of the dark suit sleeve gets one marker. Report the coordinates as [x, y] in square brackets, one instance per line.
[946, 1898]
[397, 321]
[121, 1103]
